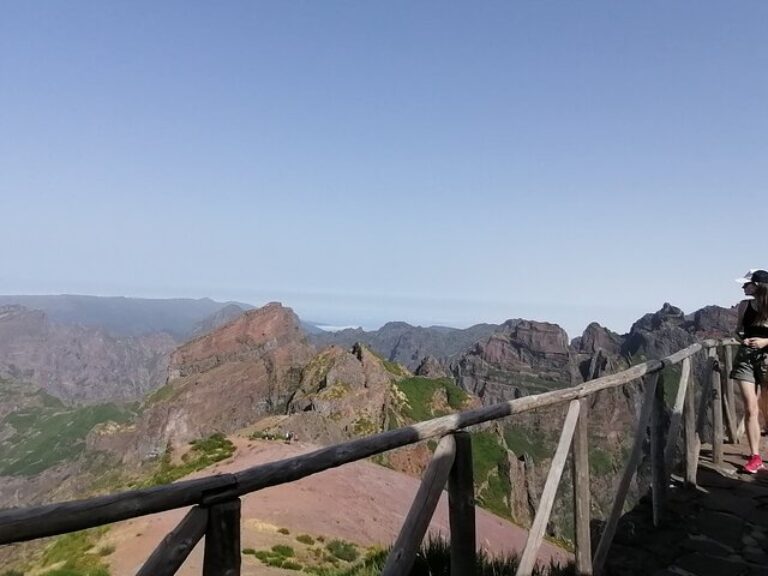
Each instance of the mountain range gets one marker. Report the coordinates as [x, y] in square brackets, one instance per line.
[122, 403]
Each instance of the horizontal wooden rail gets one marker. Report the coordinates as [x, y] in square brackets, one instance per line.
[17, 525]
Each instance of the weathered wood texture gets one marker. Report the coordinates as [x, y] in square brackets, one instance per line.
[658, 468]
[461, 508]
[676, 417]
[705, 404]
[691, 435]
[629, 471]
[18, 525]
[536, 533]
[581, 494]
[176, 546]
[729, 397]
[401, 557]
[717, 410]
[222, 540]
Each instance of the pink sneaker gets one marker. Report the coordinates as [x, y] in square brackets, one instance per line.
[754, 464]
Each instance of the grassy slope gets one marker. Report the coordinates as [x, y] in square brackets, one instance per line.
[41, 432]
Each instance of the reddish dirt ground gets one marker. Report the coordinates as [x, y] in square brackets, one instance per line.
[360, 502]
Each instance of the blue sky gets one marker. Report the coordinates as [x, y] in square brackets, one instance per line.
[434, 162]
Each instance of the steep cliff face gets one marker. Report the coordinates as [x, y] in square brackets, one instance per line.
[522, 359]
[78, 364]
[219, 382]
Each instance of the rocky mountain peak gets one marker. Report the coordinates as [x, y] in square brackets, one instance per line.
[715, 321]
[222, 381]
[540, 337]
[667, 316]
[595, 338]
[430, 367]
[251, 332]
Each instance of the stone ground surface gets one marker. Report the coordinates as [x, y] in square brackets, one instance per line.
[719, 528]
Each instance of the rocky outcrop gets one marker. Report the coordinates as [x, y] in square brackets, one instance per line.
[714, 322]
[657, 335]
[526, 358]
[430, 367]
[596, 351]
[343, 394]
[80, 364]
[220, 382]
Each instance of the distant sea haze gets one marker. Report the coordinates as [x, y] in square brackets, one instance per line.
[333, 328]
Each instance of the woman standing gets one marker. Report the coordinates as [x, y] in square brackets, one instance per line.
[749, 366]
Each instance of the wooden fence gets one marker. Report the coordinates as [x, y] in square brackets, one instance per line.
[215, 500]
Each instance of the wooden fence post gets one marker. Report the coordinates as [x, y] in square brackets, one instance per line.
[222, 540]
[658, 468]
[676, 418]
[176, 546]
[691, 436]
[629, 471]
[536, 533]
[730, 397]
[461, 508]
[717, 409]
[401, 557]
[581, 495]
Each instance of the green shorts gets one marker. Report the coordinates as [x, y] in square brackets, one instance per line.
[749, 365]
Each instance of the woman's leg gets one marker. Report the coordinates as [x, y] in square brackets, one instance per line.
[762, 400]
[751, 416]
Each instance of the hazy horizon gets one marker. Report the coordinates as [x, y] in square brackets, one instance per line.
[618, 320]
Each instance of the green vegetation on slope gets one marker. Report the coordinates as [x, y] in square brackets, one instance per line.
[420, 393]
[75, 555]
[204, 452]
[521, 441]
[45, 432]
[491, 470]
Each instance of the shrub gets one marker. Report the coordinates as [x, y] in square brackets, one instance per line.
[305, 539]
[284, 531]
[105, 550]
[282, 550]
[291, 565]
[249, 551]
[342, 550]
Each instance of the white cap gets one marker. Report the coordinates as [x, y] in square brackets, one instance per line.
[754, 275]
[747, 278]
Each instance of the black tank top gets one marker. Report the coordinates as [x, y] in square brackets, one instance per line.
[751, 328]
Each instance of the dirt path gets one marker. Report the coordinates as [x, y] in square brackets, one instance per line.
[359, 502]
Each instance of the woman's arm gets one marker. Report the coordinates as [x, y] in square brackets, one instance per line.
[756, 342]
[742, 309]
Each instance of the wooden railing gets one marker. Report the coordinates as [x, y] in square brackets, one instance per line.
[215, 500]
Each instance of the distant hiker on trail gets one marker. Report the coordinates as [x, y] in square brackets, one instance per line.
[750, 367]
